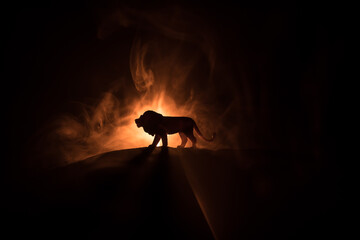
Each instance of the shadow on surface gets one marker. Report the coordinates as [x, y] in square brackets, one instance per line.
[183, 194]
[124, 194]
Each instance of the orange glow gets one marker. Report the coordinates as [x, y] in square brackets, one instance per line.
[136, 137]
[130, 136]
[111, 127]
[160, 76]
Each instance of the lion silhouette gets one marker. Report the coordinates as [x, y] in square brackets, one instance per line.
[156, 124]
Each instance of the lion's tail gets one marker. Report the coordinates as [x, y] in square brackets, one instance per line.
[200, 134]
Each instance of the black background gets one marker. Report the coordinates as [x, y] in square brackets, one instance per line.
[291, 54]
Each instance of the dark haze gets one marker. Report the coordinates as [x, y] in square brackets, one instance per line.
[266, 79]
[261, 78]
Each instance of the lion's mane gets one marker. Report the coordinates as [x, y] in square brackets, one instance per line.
[151, 121]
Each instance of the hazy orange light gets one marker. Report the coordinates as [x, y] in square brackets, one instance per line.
[161, 104]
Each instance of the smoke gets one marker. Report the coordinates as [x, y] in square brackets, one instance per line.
[143, 78]
[172, 63]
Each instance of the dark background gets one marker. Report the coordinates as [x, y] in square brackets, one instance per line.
[285, 61]
[285, 64]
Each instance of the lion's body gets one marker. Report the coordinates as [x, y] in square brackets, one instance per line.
[159, 125]
[177, 124]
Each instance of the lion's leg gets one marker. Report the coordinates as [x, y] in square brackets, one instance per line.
[156, 140]
[164, 140]
[183, 140]
[192, 138]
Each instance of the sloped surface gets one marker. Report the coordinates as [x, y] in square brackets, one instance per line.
[182, 194]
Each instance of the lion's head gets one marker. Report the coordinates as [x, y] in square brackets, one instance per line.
[150, 121]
